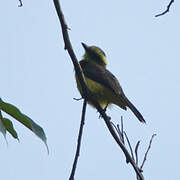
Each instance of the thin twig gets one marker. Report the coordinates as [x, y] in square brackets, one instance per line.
[122, 129]
[145, 156]
[123, 148]
[136, 151]
[20, 5]
[79, 141]
[121, 135]
[129, 144]
[117, 129]
[167, 10]
[78, 99]
[86, 93]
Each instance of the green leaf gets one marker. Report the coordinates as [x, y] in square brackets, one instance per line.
[2, 128]
[25, 120]
[38, 130]
[9, 127]
[15, 113]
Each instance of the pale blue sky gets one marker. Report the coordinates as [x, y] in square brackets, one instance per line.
[38, 77]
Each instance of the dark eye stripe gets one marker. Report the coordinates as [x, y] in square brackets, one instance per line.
[96, 57]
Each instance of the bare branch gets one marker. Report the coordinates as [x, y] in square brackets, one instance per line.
[128, 156]
[129, 144]
[87, 95]
[79, 141]
[20, 5]
[68, 46]
[78, 99]
[119, 131]
[122, 130]
[136, 151]
[167, 10]
[145, 156]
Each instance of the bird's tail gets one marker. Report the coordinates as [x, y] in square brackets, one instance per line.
[134, 110]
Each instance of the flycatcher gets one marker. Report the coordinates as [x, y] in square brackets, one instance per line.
[102, 83]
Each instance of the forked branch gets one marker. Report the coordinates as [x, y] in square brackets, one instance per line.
[87, 95]
[121, 133]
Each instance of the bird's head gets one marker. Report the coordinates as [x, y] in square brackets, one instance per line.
[95, 55]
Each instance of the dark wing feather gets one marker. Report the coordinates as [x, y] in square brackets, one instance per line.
[101, 75]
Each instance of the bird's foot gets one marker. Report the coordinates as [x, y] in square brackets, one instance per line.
[100, 116]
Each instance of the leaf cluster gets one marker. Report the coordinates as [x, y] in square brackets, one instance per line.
[6, 124]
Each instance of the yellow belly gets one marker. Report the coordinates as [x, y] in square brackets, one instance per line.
[103, 95]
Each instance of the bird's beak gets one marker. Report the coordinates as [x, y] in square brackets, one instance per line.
[85, 46]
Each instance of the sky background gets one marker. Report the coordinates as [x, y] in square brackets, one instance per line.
[38, 77]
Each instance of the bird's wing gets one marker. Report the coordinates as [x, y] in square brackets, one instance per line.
[106, 78]
[102, 76]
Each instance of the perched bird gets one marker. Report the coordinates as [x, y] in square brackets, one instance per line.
[102, 83]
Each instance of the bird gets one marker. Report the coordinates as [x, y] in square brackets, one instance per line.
[104, 86]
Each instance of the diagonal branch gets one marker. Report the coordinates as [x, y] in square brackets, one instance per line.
[68, 47]
[149, 147]
[87, 95]
[167, 10]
